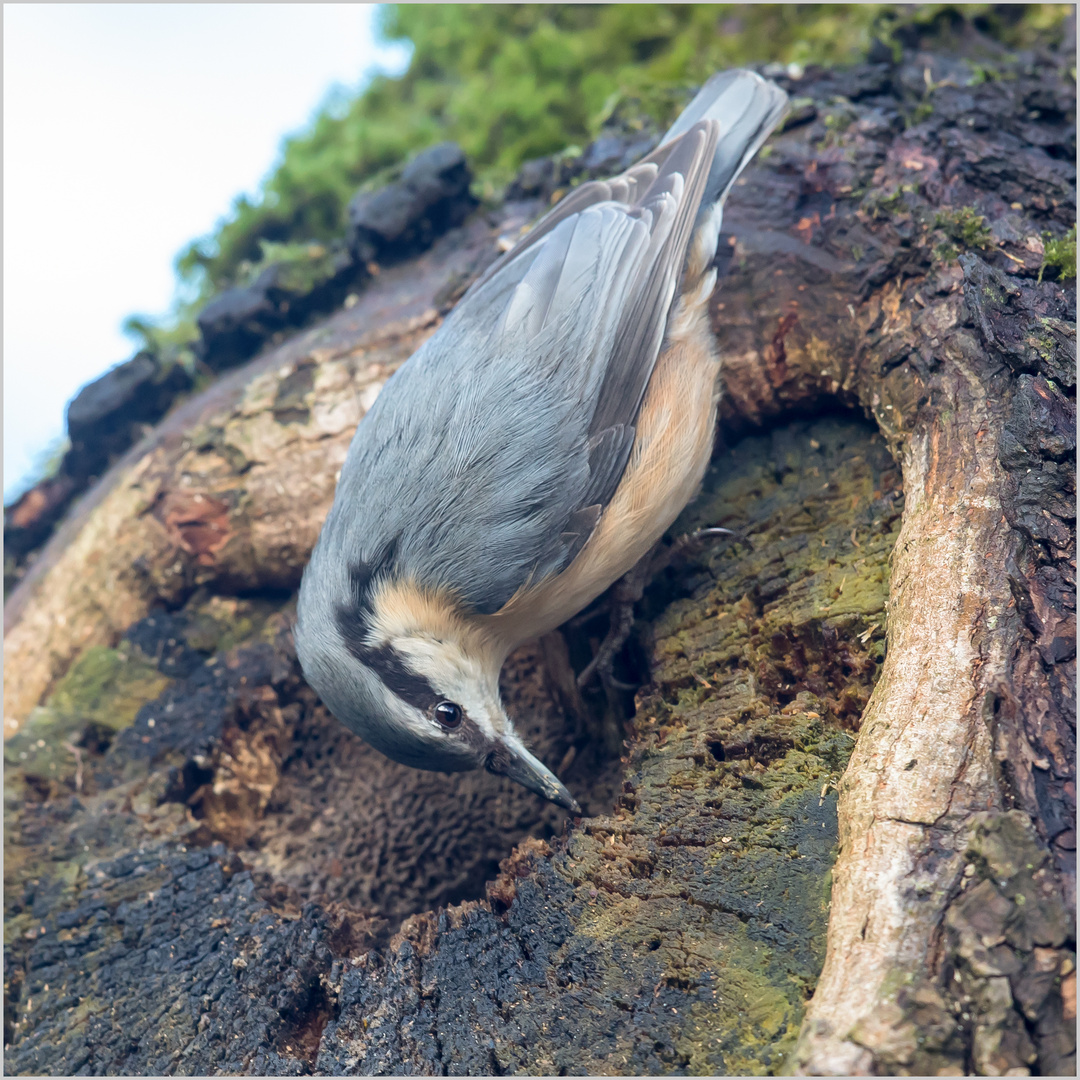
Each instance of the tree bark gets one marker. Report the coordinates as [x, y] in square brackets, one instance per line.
[897, 381]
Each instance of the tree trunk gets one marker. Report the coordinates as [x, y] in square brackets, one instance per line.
[867, 693]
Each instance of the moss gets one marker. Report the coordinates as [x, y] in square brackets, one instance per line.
[221, 623]
[886, 203]
[1059, 255]
[174, 339]
[770, 1026]
[107, 686]
[99, 696]
[946, 253]
[301, 267]
[838, 119]
[923, 111]
[964, 225]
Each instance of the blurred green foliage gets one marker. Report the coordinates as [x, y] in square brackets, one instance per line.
[513, 82]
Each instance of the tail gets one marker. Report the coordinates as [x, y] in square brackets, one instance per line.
[747, 108]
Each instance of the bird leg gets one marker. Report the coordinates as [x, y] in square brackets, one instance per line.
[626, 592]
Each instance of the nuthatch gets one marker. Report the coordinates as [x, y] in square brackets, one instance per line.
[530, 452]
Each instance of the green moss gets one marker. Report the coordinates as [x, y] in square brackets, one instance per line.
[107, 687]
[946, 253]
[767, 1029]
[923, 111]
[102, 690]
[301, 266]
[173, 339]
[1060, 255]
[965, 225]
[220, 623]
[886, 203]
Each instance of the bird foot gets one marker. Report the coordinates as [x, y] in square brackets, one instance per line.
[625, 593]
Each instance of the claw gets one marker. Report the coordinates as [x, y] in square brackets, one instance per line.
[686, 542]
[588, 671]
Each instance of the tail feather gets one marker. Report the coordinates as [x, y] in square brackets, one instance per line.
[746, 108]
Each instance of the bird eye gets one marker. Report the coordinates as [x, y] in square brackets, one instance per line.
[448, 714]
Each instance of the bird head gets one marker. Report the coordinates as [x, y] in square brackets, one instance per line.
[419, 681]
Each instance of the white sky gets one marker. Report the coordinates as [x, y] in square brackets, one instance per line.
[128, 130]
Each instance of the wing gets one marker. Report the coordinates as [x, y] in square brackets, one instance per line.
[487, 458]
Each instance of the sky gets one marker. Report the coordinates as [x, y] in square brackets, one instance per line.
[128, 131]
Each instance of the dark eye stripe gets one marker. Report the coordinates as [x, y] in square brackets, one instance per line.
[384, 661]
[401, 679]
[353, 622]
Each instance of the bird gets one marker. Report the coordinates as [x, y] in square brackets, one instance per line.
[530, 453]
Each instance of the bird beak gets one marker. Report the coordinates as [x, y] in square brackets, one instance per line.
[513, 760]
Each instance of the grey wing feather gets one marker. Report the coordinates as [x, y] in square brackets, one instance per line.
[622, 189]
[491, 453]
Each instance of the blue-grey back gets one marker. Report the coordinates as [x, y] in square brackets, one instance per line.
[487, 458]
[475, 457]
